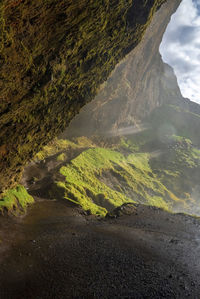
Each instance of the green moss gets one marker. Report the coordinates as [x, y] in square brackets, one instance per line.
[83, 186]
[140, 161]
[104, 178]
[61, 157]
[15, 201]
[88, 181]
[101, 179]
[54, 147]
[177, 165]
[129, 144]
[159, 202]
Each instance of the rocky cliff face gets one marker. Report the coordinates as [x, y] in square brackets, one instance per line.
[53, 57]
[138, 85]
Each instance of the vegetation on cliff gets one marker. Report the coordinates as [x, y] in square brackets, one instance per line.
[153, 167]
[102, 178]
[53, 57]
[157, 166]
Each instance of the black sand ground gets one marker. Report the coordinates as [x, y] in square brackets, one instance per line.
[57, 252]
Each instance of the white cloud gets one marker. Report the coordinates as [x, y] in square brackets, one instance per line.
[180, 47]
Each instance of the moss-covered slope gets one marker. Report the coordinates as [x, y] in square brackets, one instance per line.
[53, 57]
[101, 179]
[101, 174]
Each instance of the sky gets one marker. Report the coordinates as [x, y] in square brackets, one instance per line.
[180, 48]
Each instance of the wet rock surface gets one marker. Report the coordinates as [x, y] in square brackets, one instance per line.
[57, 252]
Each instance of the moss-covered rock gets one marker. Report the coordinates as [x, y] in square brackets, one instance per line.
[137, 169]
[15, 201]
[159, 173]
[53, 57]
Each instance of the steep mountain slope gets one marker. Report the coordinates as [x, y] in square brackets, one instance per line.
[139, 83]
[53, 57]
